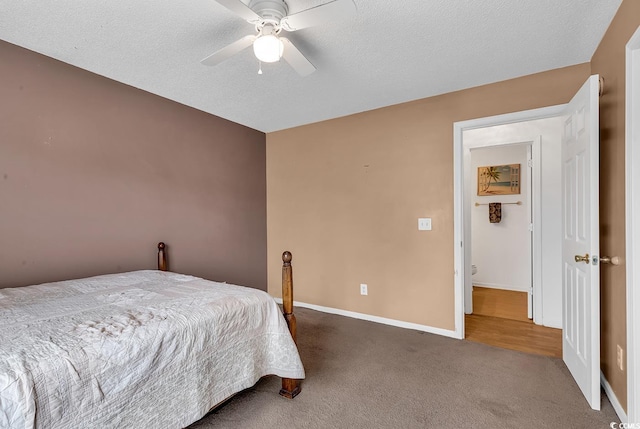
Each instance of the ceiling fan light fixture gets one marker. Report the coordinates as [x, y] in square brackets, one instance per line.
[268, 48]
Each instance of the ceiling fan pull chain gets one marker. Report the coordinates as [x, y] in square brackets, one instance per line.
[259, 67]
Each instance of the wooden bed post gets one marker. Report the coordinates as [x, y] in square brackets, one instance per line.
[162, 257]
[290, 386]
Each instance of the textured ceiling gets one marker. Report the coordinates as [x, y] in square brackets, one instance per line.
[390, 52]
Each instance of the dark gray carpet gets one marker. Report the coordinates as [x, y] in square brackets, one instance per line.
[367, 375]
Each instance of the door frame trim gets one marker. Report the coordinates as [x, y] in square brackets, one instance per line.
[462, 264]
[632, 232]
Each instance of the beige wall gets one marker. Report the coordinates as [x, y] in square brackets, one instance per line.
[609, 62]
[344, 196]
[94, 173]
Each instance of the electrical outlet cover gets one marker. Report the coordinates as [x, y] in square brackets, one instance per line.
[424, 224]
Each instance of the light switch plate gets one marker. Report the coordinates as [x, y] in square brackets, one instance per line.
[424, 224]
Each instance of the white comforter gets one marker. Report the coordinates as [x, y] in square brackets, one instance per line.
[146, 349]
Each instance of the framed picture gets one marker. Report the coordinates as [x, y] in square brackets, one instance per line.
[499, 180]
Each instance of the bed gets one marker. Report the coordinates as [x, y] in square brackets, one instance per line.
[144, 349]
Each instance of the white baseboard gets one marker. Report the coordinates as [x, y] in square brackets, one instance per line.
[499, 286]
[377, 319]
[613, 399]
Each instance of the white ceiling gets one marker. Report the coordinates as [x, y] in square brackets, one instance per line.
[392, 51]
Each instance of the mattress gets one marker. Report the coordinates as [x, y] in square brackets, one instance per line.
[145, 349]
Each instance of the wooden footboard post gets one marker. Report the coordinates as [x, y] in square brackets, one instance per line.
[162, 257]
[290, 386]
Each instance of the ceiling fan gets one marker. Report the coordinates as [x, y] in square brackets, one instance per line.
[270, 17]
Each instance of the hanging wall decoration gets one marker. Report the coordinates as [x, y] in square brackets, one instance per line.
[499, 180]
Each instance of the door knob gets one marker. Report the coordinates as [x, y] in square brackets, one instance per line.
[584, 258]
[614, 260]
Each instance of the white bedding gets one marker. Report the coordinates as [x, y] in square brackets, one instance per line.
[146, 349]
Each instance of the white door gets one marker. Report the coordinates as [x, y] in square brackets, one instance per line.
[581, 243]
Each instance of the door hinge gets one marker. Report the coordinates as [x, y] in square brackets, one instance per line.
[530, 227]
[530, 163]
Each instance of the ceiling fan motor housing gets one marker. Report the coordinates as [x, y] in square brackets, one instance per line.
[270, 10]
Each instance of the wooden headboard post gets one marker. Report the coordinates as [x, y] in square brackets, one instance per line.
[162, 257]
[290, 386]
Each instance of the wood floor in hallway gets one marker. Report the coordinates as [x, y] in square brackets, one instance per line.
[500, 319]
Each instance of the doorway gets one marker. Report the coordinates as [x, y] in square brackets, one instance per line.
[510, 258]
[501, 217]
[541, 129]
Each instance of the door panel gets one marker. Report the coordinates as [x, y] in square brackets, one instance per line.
[580, 247]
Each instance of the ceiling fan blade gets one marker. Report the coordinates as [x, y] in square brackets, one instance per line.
[294, 57]
[240, 9]
[324, 13]
[228, 51]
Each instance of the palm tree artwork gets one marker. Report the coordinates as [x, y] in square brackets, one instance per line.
[499, 180]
